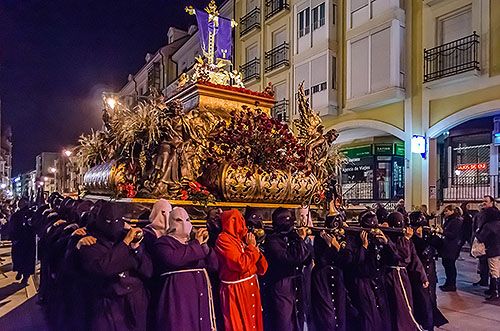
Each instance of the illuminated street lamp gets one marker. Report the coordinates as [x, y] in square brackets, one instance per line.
[3, 186]
[67, 152]
[53, 170]
[111, 102]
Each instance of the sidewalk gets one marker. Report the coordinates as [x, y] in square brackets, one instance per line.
[18, 308]
[467, 309]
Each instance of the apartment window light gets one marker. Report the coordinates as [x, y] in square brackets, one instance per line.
[318, 14]
[304, 22]
[334, 72]
[334, 14]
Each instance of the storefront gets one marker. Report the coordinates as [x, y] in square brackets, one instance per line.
[469, 162]
[373, 172]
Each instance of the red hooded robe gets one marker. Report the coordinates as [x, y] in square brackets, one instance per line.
[239, 265]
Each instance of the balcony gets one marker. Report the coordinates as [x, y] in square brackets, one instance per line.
[280, 110]
[250, 70]
[453, 58]
[250, 21]
[277, 57]
[273, 7]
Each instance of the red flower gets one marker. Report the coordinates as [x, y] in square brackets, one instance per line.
[184, 195]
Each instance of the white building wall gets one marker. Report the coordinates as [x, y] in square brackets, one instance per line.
[375, 53]
[315, 48]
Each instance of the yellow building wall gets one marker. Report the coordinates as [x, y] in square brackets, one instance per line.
[392, 114]
[442, 108]
[416, 77]
[494, 37]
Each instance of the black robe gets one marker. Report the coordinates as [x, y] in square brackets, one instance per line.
[73, 297]
[427, 312]
[22, 236]
[369, 288]
[399, 288]
[330, 304]
[119, 298]
[283, 297]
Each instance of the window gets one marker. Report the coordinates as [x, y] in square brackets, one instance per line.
[334, 72]
[318, 87]
[334, 14]
[279, 37]
[319, 73]
[359, 67]
[318, 14]
[252, 52]
[304, 22]
[251, 5]
[154, 76]
[280, 91]
[454, 26]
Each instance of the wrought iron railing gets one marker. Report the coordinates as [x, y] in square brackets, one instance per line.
[280, 110]
[467, 188]
[452, 58]
[370, 191]
[250, 21]
[277, 57]
[273, 7]
[250, 70]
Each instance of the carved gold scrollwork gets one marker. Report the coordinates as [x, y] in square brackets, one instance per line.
[236, 185]
[274, 188]
[280, 187]
[302, 187]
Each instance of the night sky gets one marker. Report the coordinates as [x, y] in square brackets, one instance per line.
[57, 56]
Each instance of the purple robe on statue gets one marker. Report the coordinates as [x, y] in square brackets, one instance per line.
[184, 301]
[120, 301]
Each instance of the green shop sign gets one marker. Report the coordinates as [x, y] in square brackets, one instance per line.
[399, 149]
[359, 151]
[383, 149]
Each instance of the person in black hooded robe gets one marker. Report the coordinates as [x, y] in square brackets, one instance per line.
[287, 254]
[399, 288]
[214, 228]
[330, 304]
[117, 267]
[373, 253]
[71, 291]
[427, 312]
[254, 220]
[23, 241]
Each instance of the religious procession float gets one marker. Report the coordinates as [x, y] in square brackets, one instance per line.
[212, 142]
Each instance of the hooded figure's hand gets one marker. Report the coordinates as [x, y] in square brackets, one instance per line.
[86, 241]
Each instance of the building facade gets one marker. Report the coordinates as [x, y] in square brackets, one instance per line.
[46, 171]
[394, 69]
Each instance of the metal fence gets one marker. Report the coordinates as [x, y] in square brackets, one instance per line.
[277, 57]
[251, 70]
[452, 58]
[250, 21]
[280, 110]
[380, 190]
[273, 7]
[467, 188]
